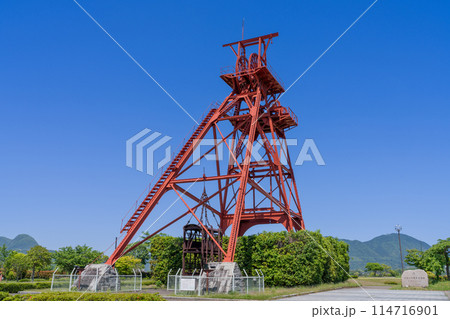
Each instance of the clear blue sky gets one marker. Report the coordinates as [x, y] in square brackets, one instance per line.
[377, 106]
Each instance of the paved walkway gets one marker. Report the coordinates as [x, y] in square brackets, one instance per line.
[357, 294]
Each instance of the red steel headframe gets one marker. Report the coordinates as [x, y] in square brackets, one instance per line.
[266, 191]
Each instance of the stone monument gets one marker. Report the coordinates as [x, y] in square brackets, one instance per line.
[414, 278]
[97, 277]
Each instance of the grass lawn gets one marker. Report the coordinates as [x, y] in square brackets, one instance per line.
[439, 286]
[379, 281]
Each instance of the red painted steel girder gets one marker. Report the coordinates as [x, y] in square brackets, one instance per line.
[248, 192]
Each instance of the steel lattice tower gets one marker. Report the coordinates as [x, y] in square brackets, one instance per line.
[248, 191]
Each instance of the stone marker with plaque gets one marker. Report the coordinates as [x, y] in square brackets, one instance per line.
[414, 278]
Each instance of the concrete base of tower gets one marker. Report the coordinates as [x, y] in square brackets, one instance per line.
[221, 277]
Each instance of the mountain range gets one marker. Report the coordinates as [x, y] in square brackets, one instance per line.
[22, 242]
[383, 249]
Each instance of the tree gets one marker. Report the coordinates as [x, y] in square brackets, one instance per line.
[375, 268]
[66, 258]
[388, 271]
[141, 252]
[126, 264]
[433, 260]
[4, 253]
[38, 258]
[414, 258]
[18, 263]
[166, 254]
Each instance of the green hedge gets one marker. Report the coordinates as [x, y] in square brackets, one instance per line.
[35, 280]
[3, 295]
[166, 254]
[294, 258]
[14, 287]
[286, 258]
[73, 296]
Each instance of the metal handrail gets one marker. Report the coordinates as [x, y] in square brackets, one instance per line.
[232, 71]
[275, 75]
[229, 69]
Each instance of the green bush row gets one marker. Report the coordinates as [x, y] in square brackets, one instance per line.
[73, 296]
[3, 295]
[286, 258]
[39, 275]
[290, 259]
[166, 254]
[35, 280]
[14, 287]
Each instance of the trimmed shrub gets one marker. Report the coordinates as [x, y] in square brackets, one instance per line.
[432, 278]
[166, 253]
[73, 296]
[43, 285]
[294, 258]
[15, 287]
[125, 265]
[35, 279]
[3, 295]
[391, 282]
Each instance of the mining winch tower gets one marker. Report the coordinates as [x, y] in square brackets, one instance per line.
[242, 191]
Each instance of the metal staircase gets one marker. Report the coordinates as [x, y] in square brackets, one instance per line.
[159, 187]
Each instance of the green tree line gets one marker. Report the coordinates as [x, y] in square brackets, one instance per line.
[434, 260]
[16, 265]
[285, 258]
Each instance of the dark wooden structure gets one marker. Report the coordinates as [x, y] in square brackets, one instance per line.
[198, 248]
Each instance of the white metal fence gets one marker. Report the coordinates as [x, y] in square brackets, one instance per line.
[97, 283]
[203, 283]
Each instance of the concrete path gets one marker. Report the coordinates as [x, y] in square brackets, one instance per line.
[357, 294]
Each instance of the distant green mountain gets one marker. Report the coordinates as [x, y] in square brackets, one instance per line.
[22, 242]
[382, 249]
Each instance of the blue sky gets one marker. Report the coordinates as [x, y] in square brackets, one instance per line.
[377, 106]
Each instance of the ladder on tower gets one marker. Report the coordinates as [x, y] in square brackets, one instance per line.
[170, 169]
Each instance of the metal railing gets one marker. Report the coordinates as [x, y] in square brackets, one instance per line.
[232, 70]
[97, 283]
[203, 283]
[284, 110]
[227, 70]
